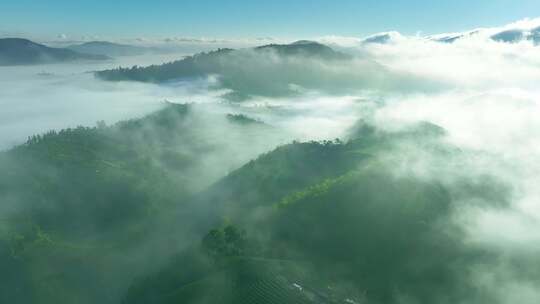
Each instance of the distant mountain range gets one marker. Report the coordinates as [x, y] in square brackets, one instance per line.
[507, 34]
[17, 51]
[517, 35]
[110, 49]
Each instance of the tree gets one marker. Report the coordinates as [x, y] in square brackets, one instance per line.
[225, 242]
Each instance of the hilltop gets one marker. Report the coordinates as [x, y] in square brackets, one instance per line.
[111, 49]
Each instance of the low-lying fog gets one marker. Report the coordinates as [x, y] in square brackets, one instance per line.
[38, 98]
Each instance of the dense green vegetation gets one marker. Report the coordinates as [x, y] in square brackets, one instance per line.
[129, 214]
[76, 203]
[190, 67]
[330, 222]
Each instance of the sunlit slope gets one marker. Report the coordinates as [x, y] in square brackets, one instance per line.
[340, 214]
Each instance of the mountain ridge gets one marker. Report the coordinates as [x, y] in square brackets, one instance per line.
[20, 51]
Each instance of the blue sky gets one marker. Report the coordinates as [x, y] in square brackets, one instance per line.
[242, 18]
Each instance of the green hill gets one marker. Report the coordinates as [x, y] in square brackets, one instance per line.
[270, 70]
[344, 224]
[176, 207]
[77, 202]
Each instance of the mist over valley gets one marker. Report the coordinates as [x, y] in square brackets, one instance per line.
[384, 168]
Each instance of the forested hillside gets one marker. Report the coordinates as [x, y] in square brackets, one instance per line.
[274, 70]
[76, 202]
[86, 209]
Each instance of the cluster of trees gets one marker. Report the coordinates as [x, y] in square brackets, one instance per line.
[199, 65]
[229, 241]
